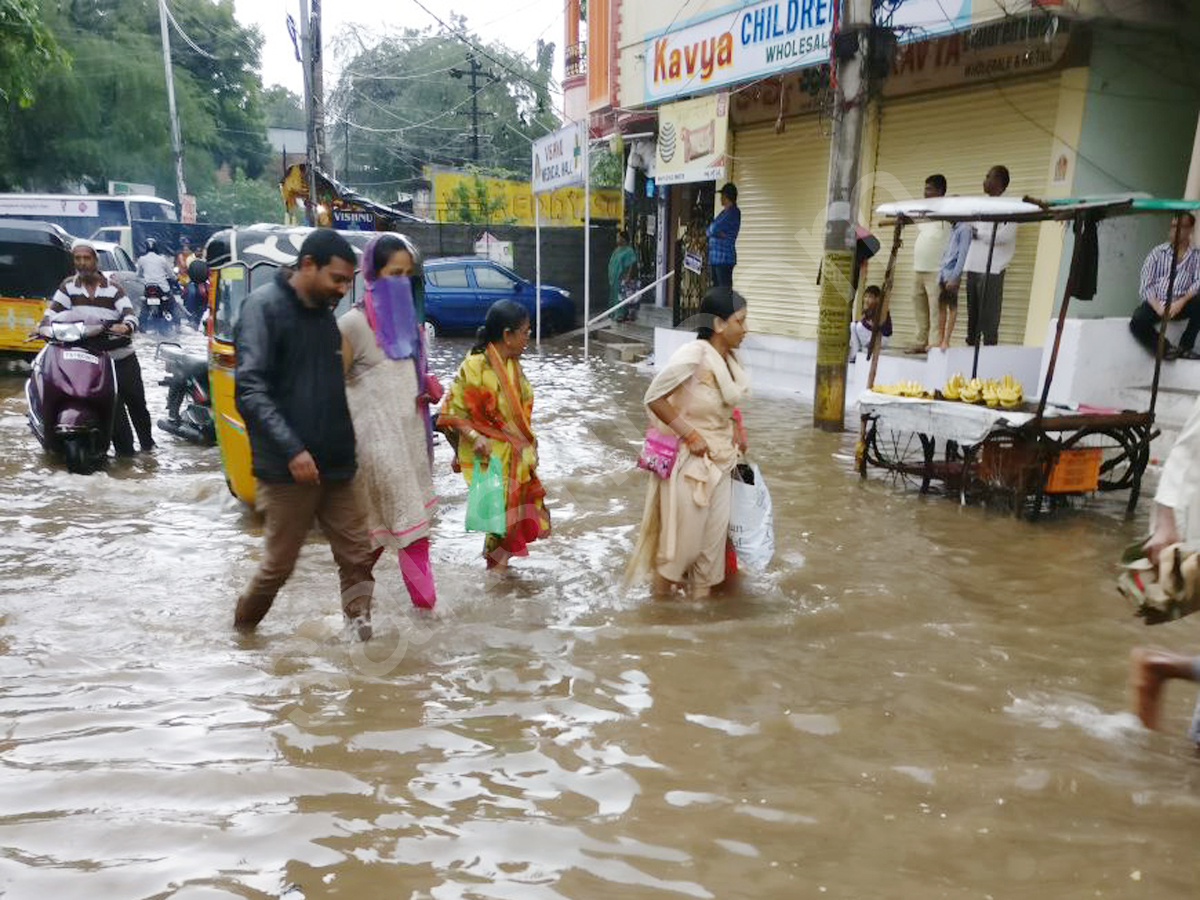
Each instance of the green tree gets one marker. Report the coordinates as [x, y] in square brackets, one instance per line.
[241, 201]
[283, 109]
[405, 109]
[106, 117]
[27, 49]
[475, 204]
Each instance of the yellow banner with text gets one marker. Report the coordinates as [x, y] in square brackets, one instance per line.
[511, 202]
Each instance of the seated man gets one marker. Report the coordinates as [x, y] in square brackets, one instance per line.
[1156, 272]
[862, 330]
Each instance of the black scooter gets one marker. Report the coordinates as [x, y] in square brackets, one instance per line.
[72, 392]
[187, 379]
[161, 311]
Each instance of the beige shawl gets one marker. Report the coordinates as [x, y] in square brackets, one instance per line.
[704, 388]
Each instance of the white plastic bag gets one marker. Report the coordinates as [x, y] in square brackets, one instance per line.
[751, 526]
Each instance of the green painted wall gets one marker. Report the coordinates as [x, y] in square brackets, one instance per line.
[1139, 122]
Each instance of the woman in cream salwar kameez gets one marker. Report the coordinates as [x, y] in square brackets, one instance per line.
[686, 521]
[389, 389]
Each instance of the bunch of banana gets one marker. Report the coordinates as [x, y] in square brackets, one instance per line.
[1009, 392]
[954, 386]
[971, 392]
[905, 388]
[989, 393]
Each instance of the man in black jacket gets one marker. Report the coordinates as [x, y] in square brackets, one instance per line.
[292, 397]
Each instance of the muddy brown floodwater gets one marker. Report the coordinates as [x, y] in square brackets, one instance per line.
[919, 701]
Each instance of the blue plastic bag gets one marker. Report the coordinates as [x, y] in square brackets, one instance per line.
[485, 500]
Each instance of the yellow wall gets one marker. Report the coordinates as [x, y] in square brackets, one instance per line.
[561, 207]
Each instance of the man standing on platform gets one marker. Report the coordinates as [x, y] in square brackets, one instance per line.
[927, 260]
[722, 238]
[983, 307]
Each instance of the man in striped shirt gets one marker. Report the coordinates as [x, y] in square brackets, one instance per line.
[89, 287]
[1156, 272]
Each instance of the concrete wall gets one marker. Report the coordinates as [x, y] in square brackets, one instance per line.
[562, 252]
[1143, 99]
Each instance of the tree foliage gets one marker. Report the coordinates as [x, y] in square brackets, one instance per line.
[283, 108]
[27, 49]
[106, 116]
[241, 201]
[403, 107]
[475, 204]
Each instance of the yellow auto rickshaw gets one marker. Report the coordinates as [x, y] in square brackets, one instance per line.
[34, 259]
[242, 260]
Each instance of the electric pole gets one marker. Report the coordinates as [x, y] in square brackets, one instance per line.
[475, 73]
[310, 119]
[176, 139]
[318, 85]
[833, 318]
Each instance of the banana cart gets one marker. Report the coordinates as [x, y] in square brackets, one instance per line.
[1028, 455]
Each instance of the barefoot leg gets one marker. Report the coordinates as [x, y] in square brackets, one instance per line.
[1149, 670]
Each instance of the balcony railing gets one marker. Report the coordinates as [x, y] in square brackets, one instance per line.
[575, 60]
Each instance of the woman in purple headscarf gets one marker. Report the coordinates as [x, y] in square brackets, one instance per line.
[389, 389]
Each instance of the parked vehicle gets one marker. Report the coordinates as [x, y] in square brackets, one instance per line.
[34, 260]
[189, 404]
[72, 393]
[241, 260]
[459, 291]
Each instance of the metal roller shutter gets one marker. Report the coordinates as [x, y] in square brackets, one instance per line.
[782, 182]
[962, 134]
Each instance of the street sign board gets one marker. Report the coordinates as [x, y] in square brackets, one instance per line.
[131, 187]
[558, 159]
[187, 209]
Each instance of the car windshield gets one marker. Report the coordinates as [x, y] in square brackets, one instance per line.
[491, 278]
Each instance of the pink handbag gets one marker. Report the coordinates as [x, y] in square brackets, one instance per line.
[658, 453]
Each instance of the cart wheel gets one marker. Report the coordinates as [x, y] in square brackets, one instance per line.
[906, 456]
[1125, 456]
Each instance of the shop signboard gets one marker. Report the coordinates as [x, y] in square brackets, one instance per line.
[775, 36]
[353, 220]
[558, 159]
[692, 137]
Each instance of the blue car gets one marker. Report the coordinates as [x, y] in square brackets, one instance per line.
[459, 290]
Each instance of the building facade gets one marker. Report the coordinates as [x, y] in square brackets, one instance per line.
[1071, 98]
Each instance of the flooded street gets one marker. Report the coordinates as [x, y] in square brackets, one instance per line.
[920, 699]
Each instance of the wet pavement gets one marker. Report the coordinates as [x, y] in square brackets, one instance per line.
[919, 700]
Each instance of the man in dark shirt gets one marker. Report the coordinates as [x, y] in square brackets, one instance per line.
[291, 395]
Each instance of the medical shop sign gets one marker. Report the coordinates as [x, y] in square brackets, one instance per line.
[760, 39]
[558, 159]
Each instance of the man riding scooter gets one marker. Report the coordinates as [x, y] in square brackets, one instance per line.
[158, 273]
[90, 287]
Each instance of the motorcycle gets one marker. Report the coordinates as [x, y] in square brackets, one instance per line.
[72, 391]
[160, 312]
[187, 379]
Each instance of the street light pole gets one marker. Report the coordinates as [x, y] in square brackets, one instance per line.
[176, 139]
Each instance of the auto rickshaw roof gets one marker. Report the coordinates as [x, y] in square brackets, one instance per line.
[21, 231]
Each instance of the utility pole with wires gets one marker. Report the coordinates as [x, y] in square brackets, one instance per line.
[851, 42]
[310, 119]
[475, 73]
[176, 138]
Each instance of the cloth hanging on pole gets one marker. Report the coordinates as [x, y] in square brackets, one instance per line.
[1085, 261]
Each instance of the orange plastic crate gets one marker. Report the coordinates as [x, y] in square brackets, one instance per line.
[1075, 471]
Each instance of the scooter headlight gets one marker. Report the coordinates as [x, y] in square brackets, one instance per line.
[67, 331]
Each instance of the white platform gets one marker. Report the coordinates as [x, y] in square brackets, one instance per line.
[1099, 364]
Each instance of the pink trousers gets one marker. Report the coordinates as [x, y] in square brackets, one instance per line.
[417, 573]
